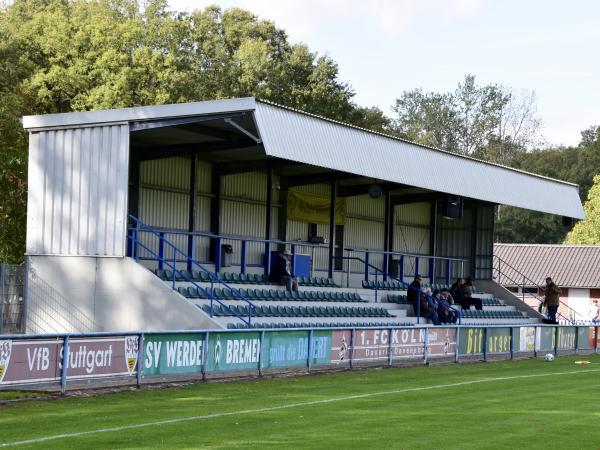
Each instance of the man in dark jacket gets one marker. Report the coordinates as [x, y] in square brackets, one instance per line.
[281, 272]
[413, 292]
[456, 290]
[551, 298]
[470, 299]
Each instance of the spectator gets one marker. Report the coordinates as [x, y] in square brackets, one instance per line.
[445, 313]
[551, 299]
[428, 307]
[281, 272]
[594, 313]
[413, 291]
[458, 294]
[468, 290]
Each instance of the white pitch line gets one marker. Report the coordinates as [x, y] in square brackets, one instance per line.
[280, 407]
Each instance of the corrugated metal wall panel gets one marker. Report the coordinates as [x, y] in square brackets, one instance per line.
[248, 186]
[412, 232]
[454, 240]
[173, 173]
[204, 176]
[77, 194]
[365, 206]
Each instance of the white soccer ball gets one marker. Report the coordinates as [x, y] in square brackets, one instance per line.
[549, 357]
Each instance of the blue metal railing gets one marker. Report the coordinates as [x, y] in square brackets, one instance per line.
[269, 244]
[217, 240]
[135, 245]
[526, 281]
[377, 270]
[417, 257]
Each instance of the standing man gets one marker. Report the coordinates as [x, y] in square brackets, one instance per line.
[281, 272]
[551, 298]
[414, 291]
[594, 313]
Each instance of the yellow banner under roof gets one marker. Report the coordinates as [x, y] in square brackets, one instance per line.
[312, 208]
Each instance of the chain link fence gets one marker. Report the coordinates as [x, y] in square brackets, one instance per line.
[12, 304]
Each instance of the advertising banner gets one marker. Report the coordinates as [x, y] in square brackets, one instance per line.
[290, 348]
[525, 339]
[586, 338]
[471, 341]
[31, 361]
[545, 339]
[372, 345]
[173, 354]
[233, 351]
[498, 340]
[567, 338]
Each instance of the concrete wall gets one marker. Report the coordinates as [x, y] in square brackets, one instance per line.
[509, 298]
[85, 294]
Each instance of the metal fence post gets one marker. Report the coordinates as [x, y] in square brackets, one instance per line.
[401, 268]
[366, 266]
[457, 345]
[512, 342]
[309, 344]
[596, 340]
[485, 343]
[205, 355]
[425, 345]
[352, 337]
[535, 333]
[390, 356]
[260, 352]
[140, 362]
[577, 340]
[556, 335]
[65, 364]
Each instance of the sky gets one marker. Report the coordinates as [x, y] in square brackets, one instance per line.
[384, 47]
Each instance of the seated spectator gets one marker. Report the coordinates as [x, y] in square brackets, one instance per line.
[468, 288]
[445, 313]
[281, 272]
[428, 307]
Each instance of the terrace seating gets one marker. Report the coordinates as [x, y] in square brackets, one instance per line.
[401, 299]
[270, 295]
[384, 285]
[474, 314]
[298, 311]
[237, 278]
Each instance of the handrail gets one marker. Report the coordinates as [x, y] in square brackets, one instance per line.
[417, 256]
[430, 298]
[214, 278]
[293, 244]
[531, 282]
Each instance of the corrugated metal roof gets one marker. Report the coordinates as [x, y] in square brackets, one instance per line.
[312, 140]
[309, 139]
[569, 265]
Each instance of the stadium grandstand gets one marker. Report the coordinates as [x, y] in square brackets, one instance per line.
[171, 217]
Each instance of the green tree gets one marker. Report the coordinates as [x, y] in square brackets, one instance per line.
[588, 231]
[490, 122]
[73, 55]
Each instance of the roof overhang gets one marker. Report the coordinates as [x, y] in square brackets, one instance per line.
[296, 136]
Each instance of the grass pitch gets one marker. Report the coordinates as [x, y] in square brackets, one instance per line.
[512, 404]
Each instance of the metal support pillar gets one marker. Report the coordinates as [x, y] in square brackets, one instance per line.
[192, 210]
[215, 215]
[433, 240]
[332, 201]
[268, 220]
[387, 233]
